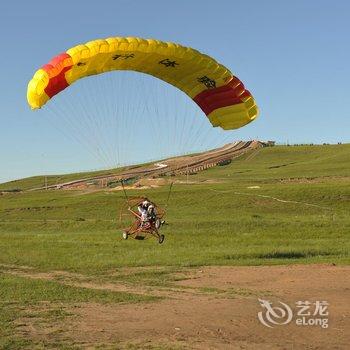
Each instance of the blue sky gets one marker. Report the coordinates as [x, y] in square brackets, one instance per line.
[292, 55]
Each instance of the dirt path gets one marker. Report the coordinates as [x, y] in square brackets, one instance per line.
[217, 308]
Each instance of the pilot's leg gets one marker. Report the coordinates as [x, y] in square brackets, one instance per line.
[143, 218]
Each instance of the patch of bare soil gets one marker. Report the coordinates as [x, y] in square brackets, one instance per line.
[215, 321]
[217, 308]
[148, 183]
[151, 182]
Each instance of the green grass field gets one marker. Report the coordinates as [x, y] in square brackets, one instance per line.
[296, 212]
[209, 223]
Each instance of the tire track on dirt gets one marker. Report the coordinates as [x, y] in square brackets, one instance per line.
[82, 281]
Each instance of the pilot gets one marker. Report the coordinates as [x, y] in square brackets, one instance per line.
[143, 210]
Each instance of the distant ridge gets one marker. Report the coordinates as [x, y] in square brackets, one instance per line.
[168, 167]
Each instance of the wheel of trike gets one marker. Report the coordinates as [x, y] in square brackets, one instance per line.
[125, 235]
[157, 224]
[161, 239]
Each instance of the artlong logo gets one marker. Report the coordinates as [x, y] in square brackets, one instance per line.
[306, 315]
[274, 315]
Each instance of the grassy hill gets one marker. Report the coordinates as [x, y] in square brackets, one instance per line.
[39, 181]
[279, 205]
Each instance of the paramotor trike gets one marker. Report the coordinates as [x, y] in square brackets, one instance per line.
[143, 228]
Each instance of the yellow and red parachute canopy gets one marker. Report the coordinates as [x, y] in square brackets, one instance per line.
[221, 95]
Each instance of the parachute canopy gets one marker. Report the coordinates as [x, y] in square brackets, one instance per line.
[220, 95]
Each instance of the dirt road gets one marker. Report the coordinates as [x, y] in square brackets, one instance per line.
[217, 308]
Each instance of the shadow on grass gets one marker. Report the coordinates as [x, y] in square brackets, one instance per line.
[280, 255]
[291, 255]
